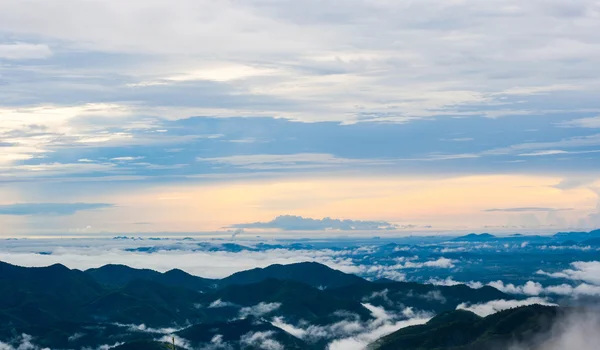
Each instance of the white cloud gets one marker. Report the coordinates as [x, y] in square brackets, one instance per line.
[351, 333]
[449, 281]
[314, 53]
[90, 253]
[144, 329]
[529, 288]
[581, 271]
[576, 330]
[287, 161]
[592, 123]
[23, 342]
[184, 343]
[494, 306]
[383, 325]
[583, 289]
[20, 51]
[261, 340]
[219, 303]
[259, 309]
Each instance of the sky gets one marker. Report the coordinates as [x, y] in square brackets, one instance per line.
[244, 117]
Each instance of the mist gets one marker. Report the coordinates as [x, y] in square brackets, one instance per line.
[577, 330]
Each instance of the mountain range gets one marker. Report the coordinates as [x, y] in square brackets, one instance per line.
[116, 305]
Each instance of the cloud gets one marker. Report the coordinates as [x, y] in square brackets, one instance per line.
[179, 341]
[125, 159]
[592, 123]
[49, 208]
[494, 306]
[574, 330]
[24, 51]
[574, 182]
[530, 288]
[219, 303]
[298, 223]
[259, 309]
[449, 281]
[22, 342]
[583, 289]
[350, 332]
[288, 161]
[168, 254]
[587, 271]
[144, 329]
[261, 340]
[526, 209]
[383, 325]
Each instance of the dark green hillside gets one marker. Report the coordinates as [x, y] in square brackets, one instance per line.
[311, 273]
[298, 300]
[147, 302]
[463, 330]
[44, 295]
[232, 332]
[120, 275]
[146, 345]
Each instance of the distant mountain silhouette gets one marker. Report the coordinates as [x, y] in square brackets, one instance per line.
[311, 273]
[577, 236]
[120, 275]
[474, 237]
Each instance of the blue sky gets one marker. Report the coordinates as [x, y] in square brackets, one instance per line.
[204, 115]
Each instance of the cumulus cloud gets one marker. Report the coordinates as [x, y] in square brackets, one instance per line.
[298, 223]
[494, 306]
[259, 309]
[583, 289]
[581, 271]
[529, 288]
[49, 208]
[442, 263]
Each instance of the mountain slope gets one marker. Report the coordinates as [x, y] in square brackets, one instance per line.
[248, 333]
[293, 300]
[120, 275]
[43, 295]
[311, 273]
[147, 302]
[463, 330]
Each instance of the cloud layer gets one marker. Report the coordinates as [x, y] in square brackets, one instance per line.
[298, 223]
[300, 91]
[49, 208]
